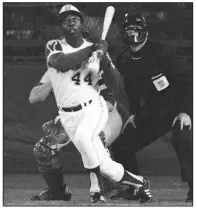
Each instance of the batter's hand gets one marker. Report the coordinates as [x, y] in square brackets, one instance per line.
[130, 120]
[184, 119]
[101, 45]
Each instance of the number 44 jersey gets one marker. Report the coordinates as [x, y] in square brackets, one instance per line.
[74, 86]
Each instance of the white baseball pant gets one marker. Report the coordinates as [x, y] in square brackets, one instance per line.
[83, 128]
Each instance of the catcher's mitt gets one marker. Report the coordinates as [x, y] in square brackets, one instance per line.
[54, 128]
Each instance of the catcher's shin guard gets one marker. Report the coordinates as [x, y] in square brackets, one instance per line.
[50, 167]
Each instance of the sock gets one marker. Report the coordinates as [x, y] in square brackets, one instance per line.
[131, 179]
[95, 179]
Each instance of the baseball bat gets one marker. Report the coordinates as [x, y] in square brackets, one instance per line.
[109, 13]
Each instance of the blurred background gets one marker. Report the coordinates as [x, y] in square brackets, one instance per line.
[27, 26]
[26, 29]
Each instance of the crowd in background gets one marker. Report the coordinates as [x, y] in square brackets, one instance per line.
[167, 21]
[35, 23]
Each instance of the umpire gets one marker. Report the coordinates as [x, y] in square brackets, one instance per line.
[160, 91]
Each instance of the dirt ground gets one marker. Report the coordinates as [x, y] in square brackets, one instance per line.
[18, 188]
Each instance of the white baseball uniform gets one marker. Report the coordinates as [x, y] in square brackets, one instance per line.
[75, 87]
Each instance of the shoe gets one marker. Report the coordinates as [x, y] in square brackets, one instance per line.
[128, 194]
[190, 194]
[47, 195]
[97, 197]
[143, 193]
[44, 195]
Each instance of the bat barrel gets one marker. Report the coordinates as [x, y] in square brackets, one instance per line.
[109, 13]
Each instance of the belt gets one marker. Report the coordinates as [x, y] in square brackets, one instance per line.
[75, 108]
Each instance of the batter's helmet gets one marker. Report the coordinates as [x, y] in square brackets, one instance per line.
[69, 9]
[135, 28]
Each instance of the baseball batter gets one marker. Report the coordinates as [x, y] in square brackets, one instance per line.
[73, 70]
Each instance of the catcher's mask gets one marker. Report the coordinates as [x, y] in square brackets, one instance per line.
[69, 9]
[135, 29]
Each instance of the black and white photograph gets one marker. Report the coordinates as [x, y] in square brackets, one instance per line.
[97, 104]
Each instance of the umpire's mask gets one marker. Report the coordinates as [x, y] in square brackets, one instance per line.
[135, 29]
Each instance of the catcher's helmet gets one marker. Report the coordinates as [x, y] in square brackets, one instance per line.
[69, 9]
[135, 29]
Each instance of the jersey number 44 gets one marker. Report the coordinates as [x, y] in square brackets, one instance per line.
[77, 80]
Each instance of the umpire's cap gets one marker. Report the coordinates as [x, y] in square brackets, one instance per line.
[69, 9]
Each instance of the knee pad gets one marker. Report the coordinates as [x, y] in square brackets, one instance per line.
[46, 154]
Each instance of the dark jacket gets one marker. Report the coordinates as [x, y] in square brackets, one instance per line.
[159, 77]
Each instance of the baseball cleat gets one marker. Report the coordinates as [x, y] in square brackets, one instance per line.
[143, 193]
[44, 195]
[128, 194]
[96, 197]
[47, 195]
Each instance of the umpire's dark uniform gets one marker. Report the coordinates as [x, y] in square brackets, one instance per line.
[159, 87]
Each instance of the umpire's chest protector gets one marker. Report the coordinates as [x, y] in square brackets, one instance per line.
[151, 79]
[152, 75]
